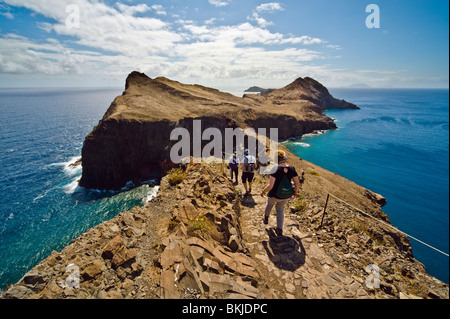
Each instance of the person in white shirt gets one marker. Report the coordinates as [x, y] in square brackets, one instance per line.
[248, 166]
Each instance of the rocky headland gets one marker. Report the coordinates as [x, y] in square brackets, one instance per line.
[201, 238]
[132, 140]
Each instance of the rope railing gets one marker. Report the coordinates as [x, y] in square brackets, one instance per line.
[378, 220]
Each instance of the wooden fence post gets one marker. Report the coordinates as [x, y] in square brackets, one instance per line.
[324, 210]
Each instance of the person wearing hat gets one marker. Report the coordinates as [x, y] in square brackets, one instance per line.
[248, 167]
[280, 190]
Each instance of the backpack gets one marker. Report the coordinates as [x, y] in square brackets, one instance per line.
[248, 167]
[284, 189]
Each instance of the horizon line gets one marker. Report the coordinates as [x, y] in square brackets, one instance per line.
[117, 87]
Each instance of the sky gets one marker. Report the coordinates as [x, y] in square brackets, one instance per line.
[225, 43]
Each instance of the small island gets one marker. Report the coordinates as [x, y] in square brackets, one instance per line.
[259, 90]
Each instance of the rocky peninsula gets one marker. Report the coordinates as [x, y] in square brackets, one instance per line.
[132, 140]
[201, 238]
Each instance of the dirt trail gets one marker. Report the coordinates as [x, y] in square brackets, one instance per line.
[293, 264]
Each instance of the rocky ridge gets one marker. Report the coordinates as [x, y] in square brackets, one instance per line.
[200, 238]
[132, 140]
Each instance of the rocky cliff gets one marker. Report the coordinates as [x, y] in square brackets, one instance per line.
[132, 141]
[200, 238]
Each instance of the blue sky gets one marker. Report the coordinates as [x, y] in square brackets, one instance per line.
[224, 43]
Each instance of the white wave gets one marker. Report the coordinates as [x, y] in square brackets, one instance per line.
[72, 170]
[39, 197]
[42, 195]
[68, 167]
[302, 144]
[315, 133]
[151, 194]
[71, 187]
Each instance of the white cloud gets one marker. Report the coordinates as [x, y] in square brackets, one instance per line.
[210, 21]
[105, 28]
[271, 7]
[265, 7]
[116, 40]
[307, 40]
[159, 9]
[263, 23]
[334, 46]
[20, 55]
[220, 3]
[132, 10]
[244, 34]
[5, 11]
[238, 52]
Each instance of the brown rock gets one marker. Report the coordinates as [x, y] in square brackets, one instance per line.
[167, 283]
[92, 270]
[173, 253]
[195, 241]
[117, 252]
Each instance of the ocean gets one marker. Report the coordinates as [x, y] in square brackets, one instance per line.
[42, 209]
[397, 145]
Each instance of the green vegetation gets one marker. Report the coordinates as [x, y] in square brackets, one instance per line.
[299, 204]
[175, 176]
[201, 223]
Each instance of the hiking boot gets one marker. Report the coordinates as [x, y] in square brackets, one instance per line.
[279, 232]
[266, 220]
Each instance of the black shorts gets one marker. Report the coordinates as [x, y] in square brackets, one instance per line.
[247, 177]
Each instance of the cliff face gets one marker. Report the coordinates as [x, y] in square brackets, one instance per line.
[132, 141]
[202, 239]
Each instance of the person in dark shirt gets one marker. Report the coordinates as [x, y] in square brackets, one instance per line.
[233, 165]
[279, 190]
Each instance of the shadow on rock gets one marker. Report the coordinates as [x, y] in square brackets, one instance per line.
[248, 201]
[285, 252]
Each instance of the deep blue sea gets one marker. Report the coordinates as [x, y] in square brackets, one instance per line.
[397, 145]
[41, 209]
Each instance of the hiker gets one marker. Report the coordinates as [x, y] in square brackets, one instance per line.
[233, 166]
[280, 190]
[248, 167]
[302, 179]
